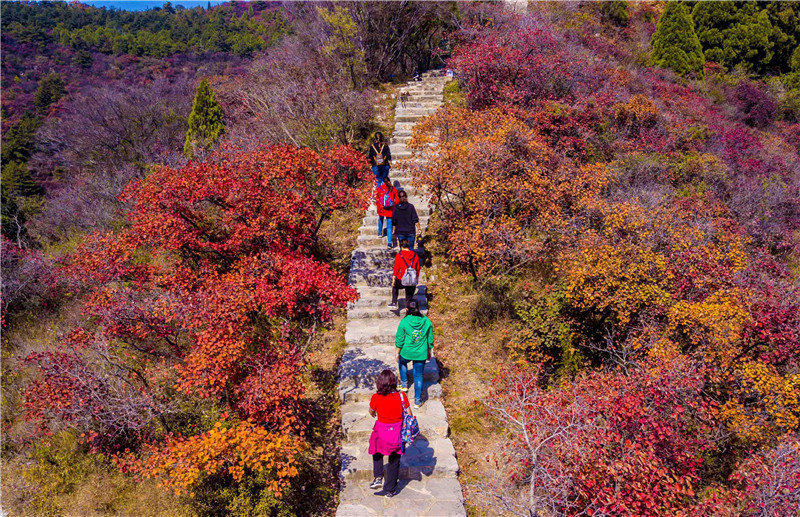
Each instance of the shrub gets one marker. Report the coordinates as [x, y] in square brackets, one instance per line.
[281, 102]
[756, 107]
[28, 278]
[789, 106]
[453, 94]
[208, 295]
[638, 113]
[609, 443]
[615, 11]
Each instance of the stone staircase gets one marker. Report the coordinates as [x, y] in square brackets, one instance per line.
[428, 470]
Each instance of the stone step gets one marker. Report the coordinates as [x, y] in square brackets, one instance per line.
[370, 331]
[407, 187]
[371, 240]
[361, 365]
[409, 111]
[400, 179]
[371, 221]
[402, 117]
[421, 206]
[373, 258]
[423, 97]
[426, 104]
[378, 304]
[380, 309]
[425, 458]
[404, 126]
[414, 197]
[422, 89]
[366, 291]
[372, 296]
[431, 390]
[357, 423]
[370, 276]
[428, 497]
[370, 225]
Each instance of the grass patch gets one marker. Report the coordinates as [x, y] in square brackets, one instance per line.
[470, 351]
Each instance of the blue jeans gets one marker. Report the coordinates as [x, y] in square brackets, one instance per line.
[388, 227]
[380, 172]
[408, 236]
[419, 367]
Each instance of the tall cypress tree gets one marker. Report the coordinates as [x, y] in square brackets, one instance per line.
[205, 121]
[675, 43]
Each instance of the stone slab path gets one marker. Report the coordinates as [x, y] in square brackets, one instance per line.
[428, 471]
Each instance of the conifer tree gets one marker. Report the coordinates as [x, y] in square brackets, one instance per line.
[205, 121]
[675, 43]
[51, 88]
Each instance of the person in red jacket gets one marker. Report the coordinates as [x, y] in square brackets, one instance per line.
[385, 199]
[405, 259]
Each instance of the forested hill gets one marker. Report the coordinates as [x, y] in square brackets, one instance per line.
[240, 28]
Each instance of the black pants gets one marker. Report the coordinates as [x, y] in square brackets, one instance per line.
[392, 470]
[396, 286]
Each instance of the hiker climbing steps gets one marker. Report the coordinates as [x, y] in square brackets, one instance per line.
[428, 469]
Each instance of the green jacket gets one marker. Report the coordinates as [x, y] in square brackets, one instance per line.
[414, 338]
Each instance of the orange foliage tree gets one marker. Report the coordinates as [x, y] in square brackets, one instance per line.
[503, 196]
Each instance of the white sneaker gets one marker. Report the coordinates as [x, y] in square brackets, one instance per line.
[392, 305]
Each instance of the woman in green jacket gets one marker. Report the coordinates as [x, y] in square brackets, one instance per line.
[413, 342]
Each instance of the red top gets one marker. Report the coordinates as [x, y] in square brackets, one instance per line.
[379, 194]
[400, 265]
[388, 407]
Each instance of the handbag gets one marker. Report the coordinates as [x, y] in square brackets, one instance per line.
[410, 428]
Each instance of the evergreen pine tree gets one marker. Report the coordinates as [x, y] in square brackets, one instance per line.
[51, 88]
[675, 43]
[205, 121]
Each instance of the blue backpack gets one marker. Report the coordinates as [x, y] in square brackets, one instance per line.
[387, 201]
[410, 428]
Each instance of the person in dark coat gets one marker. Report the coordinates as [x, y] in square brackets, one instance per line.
[405, 221]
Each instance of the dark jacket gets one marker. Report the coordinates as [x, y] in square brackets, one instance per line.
[373, 152]
[404, 217]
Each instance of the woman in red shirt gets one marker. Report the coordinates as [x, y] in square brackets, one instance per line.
[404, 259]
[387, 404]
[385, 199]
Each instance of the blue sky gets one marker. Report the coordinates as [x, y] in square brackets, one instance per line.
[143, 5]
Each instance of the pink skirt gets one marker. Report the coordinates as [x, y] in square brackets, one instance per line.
[385, 438]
